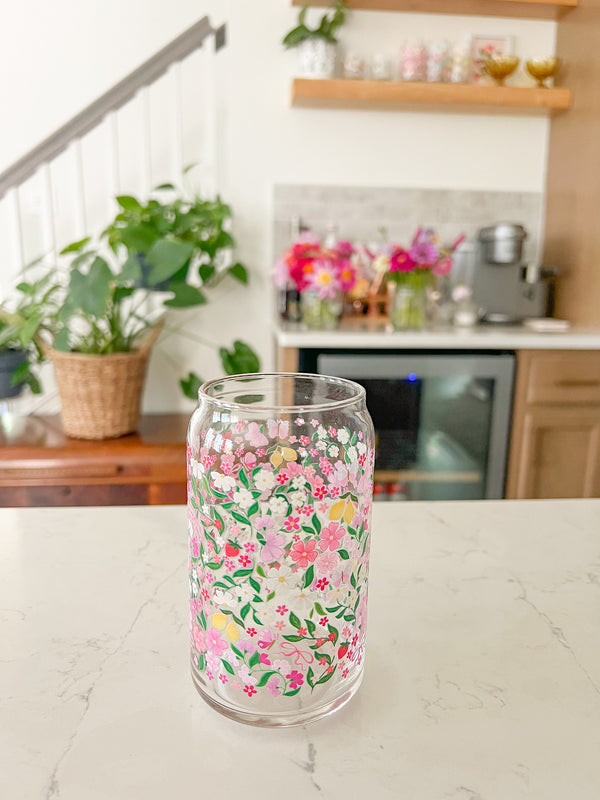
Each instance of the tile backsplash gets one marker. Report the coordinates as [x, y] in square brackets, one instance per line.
[358, 212]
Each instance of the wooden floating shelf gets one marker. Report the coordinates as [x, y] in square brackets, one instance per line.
[527, 9]
[448, 97]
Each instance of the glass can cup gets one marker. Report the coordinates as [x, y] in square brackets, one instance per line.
[280, 489]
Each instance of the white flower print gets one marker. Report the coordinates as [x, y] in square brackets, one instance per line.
[219, 540]
[298, 482]
[301, 601]
[361, 447]
[224, 483]
[282, 578]
[264, 480]
[298, 499]
[321, 445]
[333, 450]
[222, 598]
[321, 432]
[352, 453]
[265, 612]
[343, 436]
[230, 656]
[302, 452]
[243, 498]
[338, 594]
[245, 592]
[278, 505]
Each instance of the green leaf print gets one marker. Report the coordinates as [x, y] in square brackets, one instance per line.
[326, 677]
[252, 510]
[212, 565]
[333, 630]
[308, 530]
[236, 651]
[264, 678]
[254, 659]
[349, 617]
[227, 666]
[293, 638]
[292, 693]
[240, 518]
[311, 626]
[243, 477]
[316, 523]
[254, 584]
[321, 656]
[343, 554]
[319, 609]
[353, 581]
[310, 677]
[308, 577]
[201, 662]
[242, 573]
[294, 621]
[245, 611]
[260, 571]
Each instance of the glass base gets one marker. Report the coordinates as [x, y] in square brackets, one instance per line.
[282, 719]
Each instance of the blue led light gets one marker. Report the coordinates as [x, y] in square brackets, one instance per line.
[411, 376]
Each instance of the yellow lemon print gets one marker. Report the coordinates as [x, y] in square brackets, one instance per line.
[276, 459]
[231, 632]
[289, 454]
[337, 509]
[219, 621]
[349, 514]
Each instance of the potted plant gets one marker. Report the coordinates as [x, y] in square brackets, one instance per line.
[317, 47]
[101, 326]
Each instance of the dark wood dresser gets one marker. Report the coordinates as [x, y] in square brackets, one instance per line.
[40, 466]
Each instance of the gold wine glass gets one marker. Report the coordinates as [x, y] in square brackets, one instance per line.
[543, 68]
[500, 67]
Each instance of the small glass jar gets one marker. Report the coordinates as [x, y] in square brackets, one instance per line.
[280, 490]
[321, 313]
[407, 301]
[466, 313]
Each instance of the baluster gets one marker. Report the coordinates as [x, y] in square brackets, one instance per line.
[146, 148]
[79, 189]
[210, 130]
[17, 228]
[178, 163]
[48, 215]
[114, 159]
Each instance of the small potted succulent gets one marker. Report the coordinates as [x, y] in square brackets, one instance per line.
[317, 47]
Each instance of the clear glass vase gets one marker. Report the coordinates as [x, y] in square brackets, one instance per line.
[408, 303]
[321, 313]
[280, 480]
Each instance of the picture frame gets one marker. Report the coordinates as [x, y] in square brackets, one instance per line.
[482, 45]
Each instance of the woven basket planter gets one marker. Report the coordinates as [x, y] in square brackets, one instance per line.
[100, 394]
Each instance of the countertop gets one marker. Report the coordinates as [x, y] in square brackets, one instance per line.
[482, 671]
[365, 333]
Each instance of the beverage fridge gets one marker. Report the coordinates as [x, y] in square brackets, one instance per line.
[441, 420]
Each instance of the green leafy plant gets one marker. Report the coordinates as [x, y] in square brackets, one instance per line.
[173, 251]
[329, 25]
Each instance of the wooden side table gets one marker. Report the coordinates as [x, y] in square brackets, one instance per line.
[40, 466]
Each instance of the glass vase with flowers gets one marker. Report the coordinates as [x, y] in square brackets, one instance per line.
[321, 275]
[410, 273]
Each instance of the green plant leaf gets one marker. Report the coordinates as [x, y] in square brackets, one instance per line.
[239, 272]
[308, 577]
[191, 385]
[294, 621]
[185, 296]
[166, 257]
[91, 292]
[206, 272]
[137, 238]
[319, 609]
[128, 202]
[29, 328]
[61, 340]
[131, 270]
[239, 360]
[75, 247]
[164, 186]
[343, 554]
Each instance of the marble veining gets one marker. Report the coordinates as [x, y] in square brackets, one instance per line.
[482, 673]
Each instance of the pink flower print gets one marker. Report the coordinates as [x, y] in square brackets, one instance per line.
[223, 678]
[292, 523]
[239, 426]
[322, 662]
[360, 435]
[281, 610]
[299, 421]
[199, 639]
[235, 685]
[239, 452]
[273, 547]
[214, 642]
[325, 466]
[340, 475]
[250, 690]
[272, 686]
[331, 537]
[345, 673]
[332, 432]
[229, 565]
[255, 437]
[293, 469]
[262, 523]
[195, 548]
[314, 452]
[309, 472]
[295, 678]
[264, 659]
[304, 553]
[361, 459]
[324, 621]
[329, 669]
[320, 492]
[327, 562]
[209, 675]
[322, 584]
[293, 439]
[334, 491]
[302, 632]
[280, 624]
[245, 561]
[244, 674]
[249, 547]
[304, 440]
[307, 510]
[251, 631]
[282, 478]
[261, 452]
[314, 423]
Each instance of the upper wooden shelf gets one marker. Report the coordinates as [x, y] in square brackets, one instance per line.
[453, 97]
[528, 9]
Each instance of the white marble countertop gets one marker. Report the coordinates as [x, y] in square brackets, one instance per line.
[482, 672]
[360, 334]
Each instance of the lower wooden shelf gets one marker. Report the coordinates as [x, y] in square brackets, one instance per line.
[447, 97]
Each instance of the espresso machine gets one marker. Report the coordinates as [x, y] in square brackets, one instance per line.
[506, 289]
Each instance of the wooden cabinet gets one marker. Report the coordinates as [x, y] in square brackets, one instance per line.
[555, 444]
[40, 466]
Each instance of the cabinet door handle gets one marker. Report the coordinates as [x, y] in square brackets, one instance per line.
[572, 383]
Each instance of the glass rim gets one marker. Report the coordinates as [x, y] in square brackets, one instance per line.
[359, 391]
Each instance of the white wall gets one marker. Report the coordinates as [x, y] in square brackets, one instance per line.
[62, 55]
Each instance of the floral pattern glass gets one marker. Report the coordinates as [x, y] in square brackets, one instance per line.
[279, 498]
